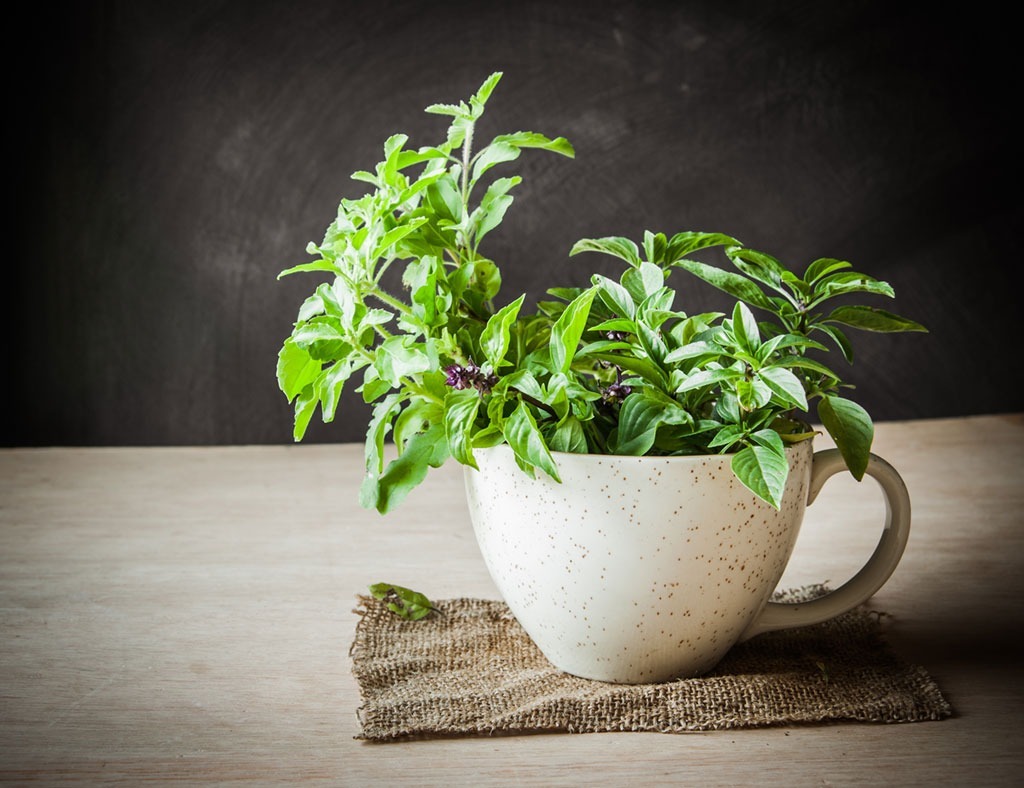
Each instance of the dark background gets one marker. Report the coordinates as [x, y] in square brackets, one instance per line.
[170, 159]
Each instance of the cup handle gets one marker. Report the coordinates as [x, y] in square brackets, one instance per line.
[874, 574]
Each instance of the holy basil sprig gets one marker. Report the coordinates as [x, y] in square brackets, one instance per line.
[428, 210]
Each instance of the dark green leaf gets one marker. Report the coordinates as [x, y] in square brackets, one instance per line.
[851, 428]
[871, 319]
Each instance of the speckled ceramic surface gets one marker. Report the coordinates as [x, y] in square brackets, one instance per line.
[639, 569]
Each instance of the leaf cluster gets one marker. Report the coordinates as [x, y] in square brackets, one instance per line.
[612, 368]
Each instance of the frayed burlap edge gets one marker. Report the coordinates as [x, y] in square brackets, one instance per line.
[470, 669]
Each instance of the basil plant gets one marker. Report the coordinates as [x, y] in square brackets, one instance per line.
[613, 368]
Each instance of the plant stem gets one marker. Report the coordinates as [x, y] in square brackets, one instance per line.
[390, 300]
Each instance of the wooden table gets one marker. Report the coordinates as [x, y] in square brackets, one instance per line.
[186, 613]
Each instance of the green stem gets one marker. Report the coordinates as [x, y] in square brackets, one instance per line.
[390, 300]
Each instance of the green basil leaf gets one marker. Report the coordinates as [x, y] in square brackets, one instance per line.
[735, 285]
[615, 296]
[763, 471]
[531, 139]
[305, 404]
[424, 450]
[872, 319]
[525, 439]
[851, 428]
[496, 336]
[316, 265]
[823, 267]
[683, 244]
[785, 385]
[623, 248]
[568, 329]
[569, 437]
[296, 369]
[460, 411]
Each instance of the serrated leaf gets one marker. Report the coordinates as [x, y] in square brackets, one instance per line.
[296, 369]
[305, 404]
[531, 139]
[423, 451]
[623, 248]
[316, 265]
[494, 154]
[851, 428]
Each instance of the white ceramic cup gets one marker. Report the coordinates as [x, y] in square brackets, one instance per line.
[644, 569]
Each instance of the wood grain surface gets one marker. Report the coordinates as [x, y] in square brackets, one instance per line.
[185, 614]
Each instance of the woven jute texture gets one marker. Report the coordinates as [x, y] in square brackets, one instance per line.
[472, 670]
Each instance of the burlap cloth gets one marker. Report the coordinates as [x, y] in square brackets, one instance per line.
[473, 670]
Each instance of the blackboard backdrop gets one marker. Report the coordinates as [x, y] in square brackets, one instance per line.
[170, 158]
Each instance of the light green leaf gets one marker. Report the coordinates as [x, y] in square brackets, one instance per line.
[423, 451]
[316, 265]
[615, 296]
[399, 357]
[460, 411]
[683, 244]
[823, 267]
[483, 93]
[785, 385]
[305, 404]
[692, 350]
[493, 154]
[763, 471]
[396, 234]
[568, 329]
[851, 428]
[531, 139]
[735, 285]
[296, 369]
[494, 340]
[522, 434]
[623, 248]
[744, 328]
[569, 437]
